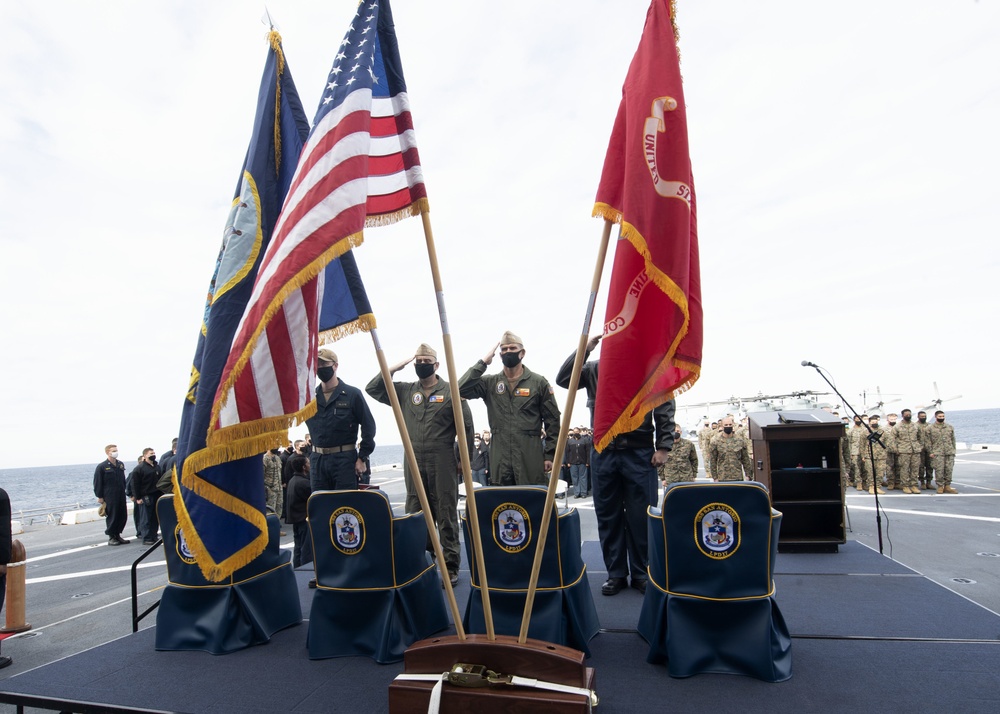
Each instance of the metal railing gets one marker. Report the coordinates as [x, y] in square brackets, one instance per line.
[136, 616]
[52, 514]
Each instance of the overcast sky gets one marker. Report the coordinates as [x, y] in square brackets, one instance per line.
[845, 156]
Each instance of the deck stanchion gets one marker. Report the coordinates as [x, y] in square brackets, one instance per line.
[15, 590]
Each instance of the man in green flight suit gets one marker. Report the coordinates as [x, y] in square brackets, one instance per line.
[520, 404]
[430, 423]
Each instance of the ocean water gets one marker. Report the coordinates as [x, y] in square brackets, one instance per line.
[66, 488]
[58, 488]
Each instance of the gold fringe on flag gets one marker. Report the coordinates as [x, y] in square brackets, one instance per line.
[629, 420]
[275, 40]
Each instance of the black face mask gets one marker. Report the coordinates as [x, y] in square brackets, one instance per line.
[325, 374]
[511, 359]
[906, 418]
[940, 420]
[423, 370]
[922, 420]
[728, 429]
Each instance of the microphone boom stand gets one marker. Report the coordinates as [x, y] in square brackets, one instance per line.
[873, 438]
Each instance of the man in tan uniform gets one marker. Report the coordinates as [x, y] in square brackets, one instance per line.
[941, 448]
[682, 461]
[729, 455]
[906, 444]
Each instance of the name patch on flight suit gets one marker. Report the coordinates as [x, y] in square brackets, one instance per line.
[717, 530]
[417, 398]
[436, 398]
[511, 527]
[183, 552]
[347, 531]
[342, 404]
[522, 392]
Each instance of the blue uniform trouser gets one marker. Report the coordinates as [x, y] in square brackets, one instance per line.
[333, 472]
[578, 472]
[624, 486]
[302, 552]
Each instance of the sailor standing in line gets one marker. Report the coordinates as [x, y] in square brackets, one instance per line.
[109, 487]
[335, 461]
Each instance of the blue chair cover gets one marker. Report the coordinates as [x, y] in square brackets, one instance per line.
[377, 590]
[709, 604]
[563, 610]
[243, 610]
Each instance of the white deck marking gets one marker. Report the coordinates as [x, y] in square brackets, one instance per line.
[87, 573]
[84, 614]
[931, 513]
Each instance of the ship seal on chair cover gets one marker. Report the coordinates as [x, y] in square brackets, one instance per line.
[709, 604]
[245, 609]
[563, 610]
[377, 591]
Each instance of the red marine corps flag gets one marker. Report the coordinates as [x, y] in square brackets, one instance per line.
[653, 324]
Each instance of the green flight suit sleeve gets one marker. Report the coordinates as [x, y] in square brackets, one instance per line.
[470, 386]
[377, 391]
[550, 419]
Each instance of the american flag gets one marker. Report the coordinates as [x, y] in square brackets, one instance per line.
[359, 168]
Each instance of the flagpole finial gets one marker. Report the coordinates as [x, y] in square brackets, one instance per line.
[267, 20]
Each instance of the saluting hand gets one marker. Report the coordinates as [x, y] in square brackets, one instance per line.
[592, 343]
[396, 368]
[489, 357]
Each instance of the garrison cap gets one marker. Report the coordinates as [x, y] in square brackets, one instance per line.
[509, 338]
[425, 350]
[328, 355]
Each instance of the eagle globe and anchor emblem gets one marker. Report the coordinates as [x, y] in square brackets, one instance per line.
[512, 527]
[348, 530]
[717, 530]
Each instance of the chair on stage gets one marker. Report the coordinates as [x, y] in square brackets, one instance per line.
[563, 611]
[377, 590]
[709, 603]
[245, 609]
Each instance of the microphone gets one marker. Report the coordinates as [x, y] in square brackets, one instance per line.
[809, 364]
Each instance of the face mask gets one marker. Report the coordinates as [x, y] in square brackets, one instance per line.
[922, 420]
[875, 425]
[152, 459]
[423, 370]
[857, 423]
[940, 420]
[892, 423]
[728, 429]
[906, 418]
[114, 454]
[476, 442]
[325, 374]
[511, 359]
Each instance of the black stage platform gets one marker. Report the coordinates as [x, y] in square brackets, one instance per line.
[869, 635]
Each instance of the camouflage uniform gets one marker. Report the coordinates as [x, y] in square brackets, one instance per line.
[857, 436]
[924, 473]
[704, 439]
[682, 463]
[941, 447]
[906, 444]
[731, 458]
[272, 482]
[891, 467]
[517, 414]
[871, 474]
[846, 469]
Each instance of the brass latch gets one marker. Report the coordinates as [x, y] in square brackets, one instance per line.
[475, 675]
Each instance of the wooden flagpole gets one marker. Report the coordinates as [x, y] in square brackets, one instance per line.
[463, 446]
[418, 484]
[574, 384]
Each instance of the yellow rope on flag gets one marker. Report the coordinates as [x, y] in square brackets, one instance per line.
[275, 39]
